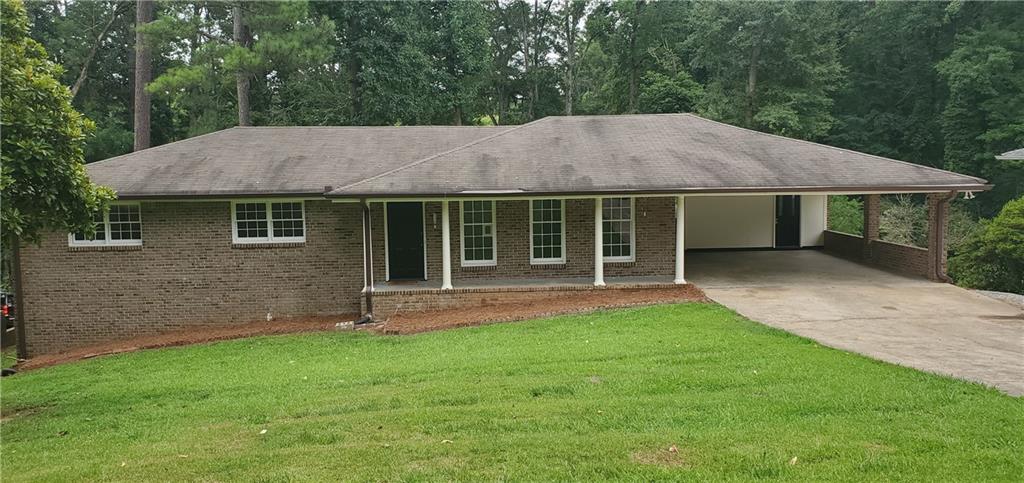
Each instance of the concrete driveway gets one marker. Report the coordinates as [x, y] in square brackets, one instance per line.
[909, 321]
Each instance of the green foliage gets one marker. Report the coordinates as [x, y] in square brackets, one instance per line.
[771, 66]
[660, 93]
[983, 116]
[43, 178]
[993, 259]
[585, 397]
[200, 84]
[846, 214]
[891, 102]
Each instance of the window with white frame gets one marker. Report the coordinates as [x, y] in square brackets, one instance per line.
[478, 244]
[268, 221]
[119, 225]
[547, 231]
[617, 227]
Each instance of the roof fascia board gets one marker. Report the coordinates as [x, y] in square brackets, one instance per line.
[568, 196]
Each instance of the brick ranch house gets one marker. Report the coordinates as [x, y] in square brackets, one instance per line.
[249, 223]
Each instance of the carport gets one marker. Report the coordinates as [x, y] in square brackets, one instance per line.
[900, 319]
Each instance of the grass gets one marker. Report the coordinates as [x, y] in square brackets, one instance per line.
[599, 396]
[8, 357]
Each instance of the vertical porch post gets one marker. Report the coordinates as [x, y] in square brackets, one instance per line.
[367, 260]
[598, 242]
[446, 248]
[680, 239]
[872, 211]
[938, 215]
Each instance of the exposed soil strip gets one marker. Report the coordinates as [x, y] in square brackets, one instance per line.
[400, 323]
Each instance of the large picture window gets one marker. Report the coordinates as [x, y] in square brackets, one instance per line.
[547, 231]
[617, 227]
[268, 221]
[120, 225]
[478, 243]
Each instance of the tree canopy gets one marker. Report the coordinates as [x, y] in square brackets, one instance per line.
[43, 177]
[935, 83]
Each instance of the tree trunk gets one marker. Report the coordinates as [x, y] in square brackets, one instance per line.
[143, 75]
[570, 62]
[457, 115]
[19, 296]
[634, 61]
[354, 68]
[751, 108]
[241, 77]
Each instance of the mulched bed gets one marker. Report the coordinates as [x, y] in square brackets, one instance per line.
[401, 323]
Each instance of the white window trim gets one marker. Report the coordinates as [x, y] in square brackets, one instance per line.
[632, 231]
[270, 238]
[494, 238]
[547, 261]
[107, 241]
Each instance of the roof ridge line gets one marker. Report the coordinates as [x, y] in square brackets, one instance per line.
[435, 156]
[850, 151]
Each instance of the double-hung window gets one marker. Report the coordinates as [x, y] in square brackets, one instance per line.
[617, 227]
[547, 231]
[478, 243]
[268, 221]
[119, 225]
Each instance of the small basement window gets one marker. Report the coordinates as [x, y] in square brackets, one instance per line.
[547, 231]
[268, 221]
[120, 225]
[478, 244]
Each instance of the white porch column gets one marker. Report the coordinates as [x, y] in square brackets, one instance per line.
[680, 239]
[446, 248]
[598, 242]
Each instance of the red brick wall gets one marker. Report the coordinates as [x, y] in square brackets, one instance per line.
[187, 273]
[899, 258]
[389, 303]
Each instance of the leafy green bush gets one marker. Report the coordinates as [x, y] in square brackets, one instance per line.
[993, 259]
[846, 215]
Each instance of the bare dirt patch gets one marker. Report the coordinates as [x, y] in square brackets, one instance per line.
[670, 457]
[401, 323]
[570, 303]
[193, 335]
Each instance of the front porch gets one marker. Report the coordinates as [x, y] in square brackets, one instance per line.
[442, 254]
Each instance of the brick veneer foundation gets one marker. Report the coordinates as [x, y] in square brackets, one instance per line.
[387, 303]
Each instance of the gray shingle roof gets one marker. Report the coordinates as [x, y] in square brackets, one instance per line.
[1016, 154]
[274, 160]
[648, 153]
[582, 154]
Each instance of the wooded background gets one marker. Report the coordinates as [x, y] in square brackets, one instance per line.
[934, 83]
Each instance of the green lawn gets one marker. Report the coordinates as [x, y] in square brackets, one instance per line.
[600, 396]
